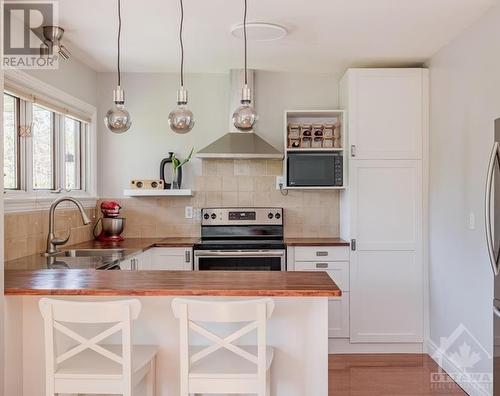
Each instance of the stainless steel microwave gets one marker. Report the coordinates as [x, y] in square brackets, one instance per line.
[315, 169]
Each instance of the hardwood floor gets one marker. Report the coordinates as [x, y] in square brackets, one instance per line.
[387, 375]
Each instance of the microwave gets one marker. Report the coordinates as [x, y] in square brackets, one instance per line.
[314, 169]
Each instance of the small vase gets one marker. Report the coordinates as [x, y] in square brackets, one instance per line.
[175, 179]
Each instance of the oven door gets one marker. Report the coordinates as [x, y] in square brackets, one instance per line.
[239, 260]
[311, 169]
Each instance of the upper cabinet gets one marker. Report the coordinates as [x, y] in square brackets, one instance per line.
[387, 112]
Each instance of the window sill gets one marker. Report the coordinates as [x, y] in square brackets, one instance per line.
[18, 202]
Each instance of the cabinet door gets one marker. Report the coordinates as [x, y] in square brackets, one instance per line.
[387, 112]
[338, 316]
[174, 259]
[386, 267]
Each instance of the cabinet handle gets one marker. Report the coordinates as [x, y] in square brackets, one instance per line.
[321, 254]
[353, 245]
[353, 150]
[321, 265]
[188, 256]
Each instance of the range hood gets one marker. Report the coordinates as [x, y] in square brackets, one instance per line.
[236, 144]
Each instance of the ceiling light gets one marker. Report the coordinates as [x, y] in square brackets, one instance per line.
[260, 31]
[181, 120]
[117, 119]
[52, 42]
[245, 116]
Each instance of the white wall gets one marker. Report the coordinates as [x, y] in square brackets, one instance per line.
[465, 100]
[72, 77]
[150, 98]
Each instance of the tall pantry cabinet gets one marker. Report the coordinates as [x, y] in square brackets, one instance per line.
[385, 207]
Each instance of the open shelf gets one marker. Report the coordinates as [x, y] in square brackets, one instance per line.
[157, 193]
[331, 127]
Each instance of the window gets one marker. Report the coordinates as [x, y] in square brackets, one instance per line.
[72, 154]
[11, 141]
[42, 133]
[45, 148]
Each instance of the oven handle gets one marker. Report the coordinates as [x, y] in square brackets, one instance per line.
[240, 253]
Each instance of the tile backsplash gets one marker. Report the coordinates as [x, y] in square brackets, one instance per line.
[26, 232]
[234, 183]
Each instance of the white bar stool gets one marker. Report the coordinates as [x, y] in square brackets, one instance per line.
[224, 367]
[88, 367]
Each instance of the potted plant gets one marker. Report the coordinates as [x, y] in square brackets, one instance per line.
[177, 165]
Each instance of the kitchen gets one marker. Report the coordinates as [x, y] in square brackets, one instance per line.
[366, 263]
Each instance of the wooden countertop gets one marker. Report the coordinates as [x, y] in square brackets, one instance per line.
[169, 283]
[138, 243]
[316, 242]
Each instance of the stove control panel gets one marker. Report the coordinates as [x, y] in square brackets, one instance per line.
[241, 216]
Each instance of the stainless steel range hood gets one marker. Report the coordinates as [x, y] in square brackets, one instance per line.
[235, 144]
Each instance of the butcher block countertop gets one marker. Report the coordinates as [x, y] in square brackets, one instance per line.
[87, 282]
[316, 242]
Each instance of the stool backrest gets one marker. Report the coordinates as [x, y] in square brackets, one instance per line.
[191, 313]
[57, 313]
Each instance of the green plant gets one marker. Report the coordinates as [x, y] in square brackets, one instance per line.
[177, 163]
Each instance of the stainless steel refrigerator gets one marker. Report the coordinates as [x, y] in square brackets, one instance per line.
[492, 223]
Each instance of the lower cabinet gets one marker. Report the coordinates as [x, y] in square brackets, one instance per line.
[338, 316]
[141, 261]
[333, 260]
[173, 259]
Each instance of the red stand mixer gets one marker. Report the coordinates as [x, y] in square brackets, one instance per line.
[111, 225]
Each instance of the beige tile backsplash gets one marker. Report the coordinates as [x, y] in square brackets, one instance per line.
[234, 183]
[26, 232]
[222, 183]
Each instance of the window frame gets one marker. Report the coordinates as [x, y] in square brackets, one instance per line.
[17, 143]
[42, 94]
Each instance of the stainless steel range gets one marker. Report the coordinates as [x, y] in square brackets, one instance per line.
[241, 239]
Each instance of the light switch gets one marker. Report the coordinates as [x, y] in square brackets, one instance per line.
[472, 221]
[188, 212]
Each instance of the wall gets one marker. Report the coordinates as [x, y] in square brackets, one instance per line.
[465, 100]
[234, 183]
[26, 232]
[72, 77]
[137, 153]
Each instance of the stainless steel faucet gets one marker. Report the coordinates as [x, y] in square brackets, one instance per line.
[52, 241]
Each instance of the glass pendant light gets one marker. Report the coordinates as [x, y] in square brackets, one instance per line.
[117, 119]
[245, 116]
[181, 119]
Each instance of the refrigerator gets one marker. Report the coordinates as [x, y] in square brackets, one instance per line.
[492, 224]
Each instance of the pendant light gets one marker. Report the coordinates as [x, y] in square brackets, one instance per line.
[181, 119]
[245, 116]
[117, 119]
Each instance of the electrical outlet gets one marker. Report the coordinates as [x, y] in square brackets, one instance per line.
[280, 180]
[188, 212]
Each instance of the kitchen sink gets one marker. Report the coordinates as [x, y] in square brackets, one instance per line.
[89, 253]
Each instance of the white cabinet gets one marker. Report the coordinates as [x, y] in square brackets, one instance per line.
[386, 267]
[178, 259]
[384, 209]
[387, 112]
[338, 316]
[173, 259]
[334, 260]
[139, 261]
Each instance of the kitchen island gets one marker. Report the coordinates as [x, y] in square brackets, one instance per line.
[297, 329]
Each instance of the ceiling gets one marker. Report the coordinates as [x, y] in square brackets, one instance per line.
[324, 35]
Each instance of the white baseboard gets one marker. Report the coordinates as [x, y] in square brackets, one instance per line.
[472, 388]
[344, 346]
